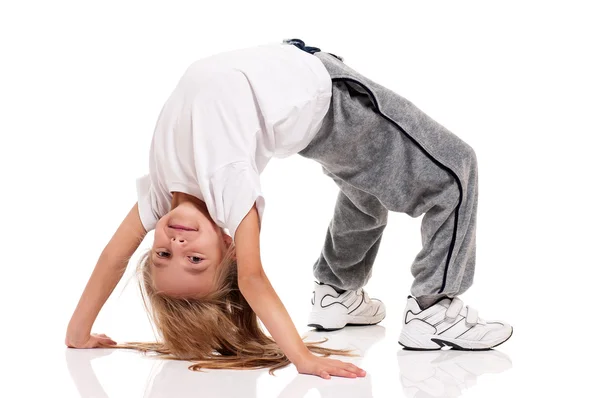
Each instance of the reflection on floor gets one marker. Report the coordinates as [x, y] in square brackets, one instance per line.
[446, 373]
[443, 373]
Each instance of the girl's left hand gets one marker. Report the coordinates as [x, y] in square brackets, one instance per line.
[93, 340]
[326, 367]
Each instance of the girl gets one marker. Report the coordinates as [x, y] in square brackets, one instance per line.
[204, 288]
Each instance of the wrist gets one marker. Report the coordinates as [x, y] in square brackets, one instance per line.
[300, 356]
[73, 340]
[78, 330]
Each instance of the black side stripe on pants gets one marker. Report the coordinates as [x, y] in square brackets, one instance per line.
[434, 160]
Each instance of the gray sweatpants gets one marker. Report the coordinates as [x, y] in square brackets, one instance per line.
[385, 154]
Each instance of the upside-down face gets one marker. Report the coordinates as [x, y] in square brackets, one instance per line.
[188, 248]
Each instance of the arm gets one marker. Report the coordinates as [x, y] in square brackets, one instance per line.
[108, 271]
[263, 299]
[257, 289]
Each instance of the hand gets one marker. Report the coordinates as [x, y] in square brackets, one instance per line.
[327, 367]
[93, 340]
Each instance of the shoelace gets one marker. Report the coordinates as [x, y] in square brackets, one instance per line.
[364, 294]
[348, 294]
[456, 306]
[368, 309]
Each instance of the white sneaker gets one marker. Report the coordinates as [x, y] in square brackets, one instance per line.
[450, 323]
[332, 310]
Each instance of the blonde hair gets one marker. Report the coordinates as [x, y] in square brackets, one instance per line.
[219, 331]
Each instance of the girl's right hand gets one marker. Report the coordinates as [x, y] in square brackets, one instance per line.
[93, 340]
[327, 367]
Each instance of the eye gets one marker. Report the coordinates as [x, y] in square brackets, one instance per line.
[195, 259]
[163, 254]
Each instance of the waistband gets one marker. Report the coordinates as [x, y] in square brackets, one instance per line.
[309, 49]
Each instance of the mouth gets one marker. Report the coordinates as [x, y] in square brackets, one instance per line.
[182, 228]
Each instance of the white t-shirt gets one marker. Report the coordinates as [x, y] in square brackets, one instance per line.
[228, 116]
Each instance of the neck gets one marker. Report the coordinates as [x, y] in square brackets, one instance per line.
[181, 198]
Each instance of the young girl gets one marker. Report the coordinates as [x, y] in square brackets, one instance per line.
[228, 115]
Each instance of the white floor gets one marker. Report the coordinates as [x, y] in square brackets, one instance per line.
[521, 368]
[392, 372]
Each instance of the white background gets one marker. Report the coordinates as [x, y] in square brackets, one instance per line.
[81, 85]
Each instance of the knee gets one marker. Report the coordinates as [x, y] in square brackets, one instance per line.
[469, 156]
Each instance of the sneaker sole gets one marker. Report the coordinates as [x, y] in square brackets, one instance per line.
[317, 323]
[453, 345]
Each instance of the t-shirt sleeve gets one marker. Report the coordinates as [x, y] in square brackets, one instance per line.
[146, 203]
[235, 188]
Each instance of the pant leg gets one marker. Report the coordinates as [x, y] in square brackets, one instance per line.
[385, 146]
[353, 238]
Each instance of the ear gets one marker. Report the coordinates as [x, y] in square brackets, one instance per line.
[228, 241]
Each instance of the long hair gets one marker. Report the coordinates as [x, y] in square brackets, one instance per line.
[219, 331]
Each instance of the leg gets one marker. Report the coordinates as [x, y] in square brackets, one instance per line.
[346, 260]
[446, 263]
[353, 239]
[380, 143]
[387, 148]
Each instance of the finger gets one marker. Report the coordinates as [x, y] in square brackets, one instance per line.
[347, 366]
[350, 368]
[97, 342]
[355, 369]
[324, 374]
[107, 341]
[342, 373]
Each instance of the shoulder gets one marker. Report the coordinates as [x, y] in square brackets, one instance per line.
[235, 189]
[152, 205]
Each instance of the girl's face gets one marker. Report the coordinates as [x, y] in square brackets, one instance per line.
[188, 247]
